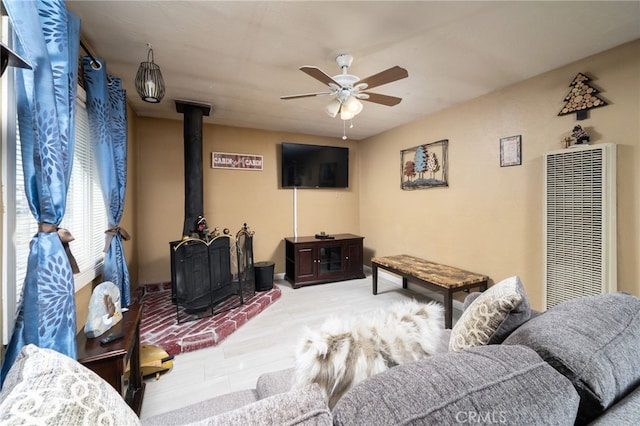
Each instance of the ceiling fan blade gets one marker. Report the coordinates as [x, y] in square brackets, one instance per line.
[306, 95]
[384, 77]
[380, 99]
[319, 75]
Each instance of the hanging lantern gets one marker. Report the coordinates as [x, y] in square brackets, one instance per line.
[149, 82]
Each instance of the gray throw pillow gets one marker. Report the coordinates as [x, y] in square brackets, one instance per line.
[492, 316]
[593, 341]
[484, 385]
[470, 299]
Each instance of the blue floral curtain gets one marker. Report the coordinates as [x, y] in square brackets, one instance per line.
[48, 38]
[107, 110]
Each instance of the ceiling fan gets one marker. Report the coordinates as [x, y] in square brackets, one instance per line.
[348, 90]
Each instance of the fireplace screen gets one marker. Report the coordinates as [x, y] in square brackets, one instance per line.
[246, 274]
[212, 275]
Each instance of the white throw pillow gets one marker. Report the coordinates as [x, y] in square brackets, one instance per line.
[492, 316]
[46, 387]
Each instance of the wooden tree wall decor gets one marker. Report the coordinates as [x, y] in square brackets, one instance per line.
[581, 98]
[424, 166]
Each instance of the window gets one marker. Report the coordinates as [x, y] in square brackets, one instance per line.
[85, 215]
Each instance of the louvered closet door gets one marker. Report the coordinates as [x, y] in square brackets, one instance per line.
[579, 223]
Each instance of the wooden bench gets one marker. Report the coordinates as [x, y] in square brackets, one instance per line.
[433, 276]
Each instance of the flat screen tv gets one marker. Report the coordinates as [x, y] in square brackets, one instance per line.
[314, 166]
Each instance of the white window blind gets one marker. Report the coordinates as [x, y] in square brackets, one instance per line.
[85, 216]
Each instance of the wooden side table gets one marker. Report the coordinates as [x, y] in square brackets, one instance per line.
[110, 361]
[434, 276]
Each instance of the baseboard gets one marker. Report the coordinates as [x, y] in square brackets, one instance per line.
[457, 305]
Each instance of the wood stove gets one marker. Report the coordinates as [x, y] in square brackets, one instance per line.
[210, 273]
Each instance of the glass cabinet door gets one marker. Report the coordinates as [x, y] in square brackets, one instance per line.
[330, 258]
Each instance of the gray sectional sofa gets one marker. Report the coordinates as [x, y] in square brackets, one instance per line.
[577, 363]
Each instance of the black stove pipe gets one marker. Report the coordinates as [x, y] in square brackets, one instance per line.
[193, 164]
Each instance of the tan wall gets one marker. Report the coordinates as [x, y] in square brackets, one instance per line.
[231, 197]
[489, 219]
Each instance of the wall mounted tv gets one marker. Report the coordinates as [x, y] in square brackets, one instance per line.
[314, 166]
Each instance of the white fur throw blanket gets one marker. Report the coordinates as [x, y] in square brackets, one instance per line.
[347, 350]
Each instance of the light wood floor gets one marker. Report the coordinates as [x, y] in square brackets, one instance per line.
[265, 343]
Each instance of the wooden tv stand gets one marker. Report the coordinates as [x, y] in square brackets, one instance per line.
[311, 260]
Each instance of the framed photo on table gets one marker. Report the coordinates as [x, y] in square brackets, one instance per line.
[511, 151]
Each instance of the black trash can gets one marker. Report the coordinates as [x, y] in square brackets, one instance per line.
[264, 275]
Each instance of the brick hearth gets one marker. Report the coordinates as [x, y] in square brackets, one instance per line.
[159, 326]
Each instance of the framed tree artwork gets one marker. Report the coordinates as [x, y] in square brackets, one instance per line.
[424, 166]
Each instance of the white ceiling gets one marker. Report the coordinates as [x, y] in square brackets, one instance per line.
[241, 56]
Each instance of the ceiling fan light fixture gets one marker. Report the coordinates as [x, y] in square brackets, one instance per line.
[353, 105]
[333, 108]
[347, 89]
[345, 114]
[149, 81]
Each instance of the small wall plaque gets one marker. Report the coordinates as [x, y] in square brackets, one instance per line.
[511, 151]
[227, 160]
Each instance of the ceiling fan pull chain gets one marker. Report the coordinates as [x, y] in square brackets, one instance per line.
[351, 124]
[344, 130]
